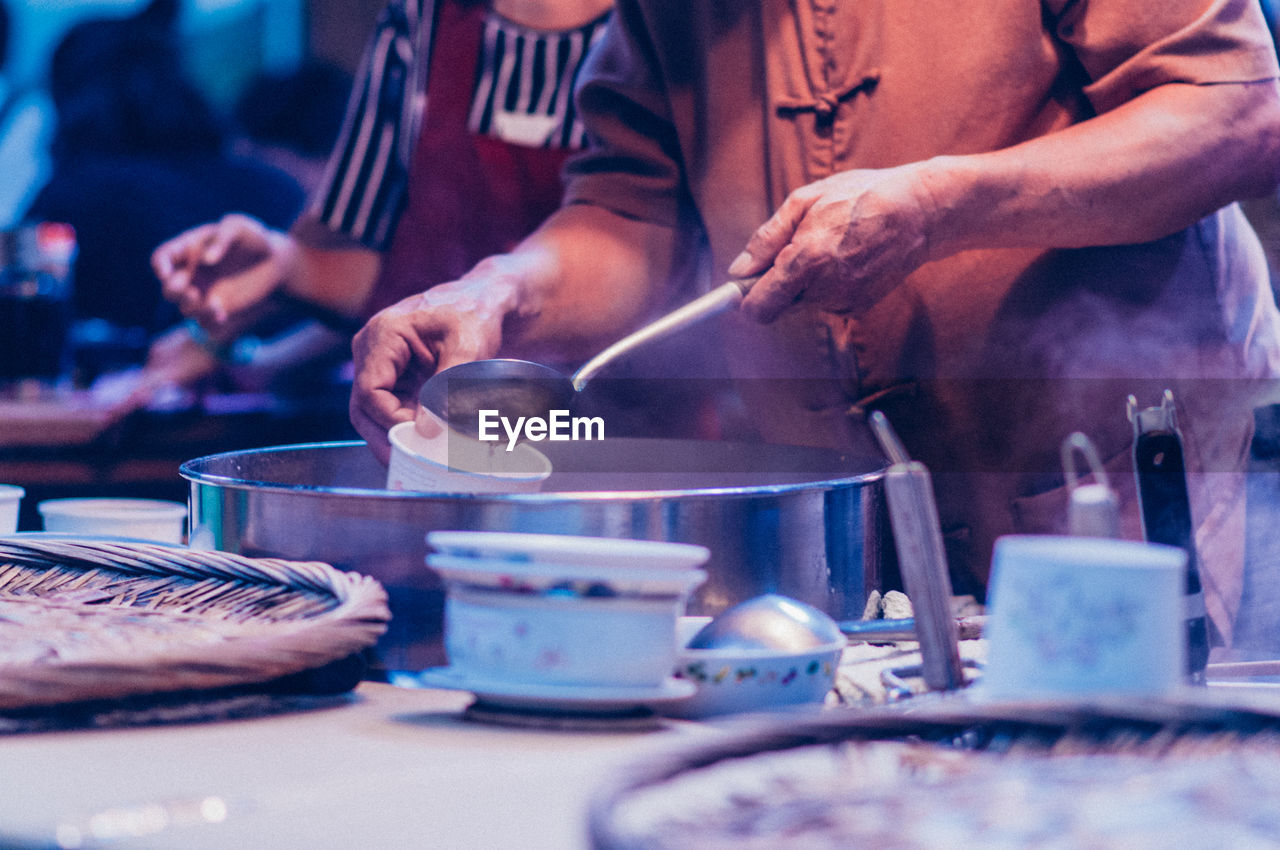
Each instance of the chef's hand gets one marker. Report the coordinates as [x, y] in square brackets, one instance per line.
[408, 342]
[841, 243]
[219, 271]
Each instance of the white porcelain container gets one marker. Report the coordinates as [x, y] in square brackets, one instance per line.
[141, 519]
[1084, 617]
[561, 640]
[512, 613]
[568, 550]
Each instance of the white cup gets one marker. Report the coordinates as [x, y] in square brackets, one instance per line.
[453, 463]
[142, 519]
[10, 501]
[1085, 617]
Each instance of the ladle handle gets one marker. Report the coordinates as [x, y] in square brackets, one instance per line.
[724, 297]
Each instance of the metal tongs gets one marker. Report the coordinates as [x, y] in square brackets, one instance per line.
[917, 535]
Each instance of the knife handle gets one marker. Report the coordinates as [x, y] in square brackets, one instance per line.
[1166, 518]
[917, 535]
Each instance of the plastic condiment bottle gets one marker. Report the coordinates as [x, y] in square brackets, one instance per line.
[1093, 509]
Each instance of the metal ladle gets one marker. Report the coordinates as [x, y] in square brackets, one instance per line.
[769, 622]
[525, 388]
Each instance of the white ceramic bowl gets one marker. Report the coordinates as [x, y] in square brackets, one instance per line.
[567, 549]
[566, 579]
[454, 463]
[732, 681]
[561, 640]
[559, 610]
[143, 519]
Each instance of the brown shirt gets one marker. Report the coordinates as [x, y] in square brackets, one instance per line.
[985, 360]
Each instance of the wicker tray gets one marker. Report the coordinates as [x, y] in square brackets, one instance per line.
[1198, 771]
[84, 619]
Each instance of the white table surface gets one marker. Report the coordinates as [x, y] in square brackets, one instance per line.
[392, 767]
[387, 767]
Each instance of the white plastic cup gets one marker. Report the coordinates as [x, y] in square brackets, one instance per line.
[453, 463]
[1082, 617]
[10, 501]
[141, 519]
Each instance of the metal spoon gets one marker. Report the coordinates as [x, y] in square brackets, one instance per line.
[525, 388]
[769, 622]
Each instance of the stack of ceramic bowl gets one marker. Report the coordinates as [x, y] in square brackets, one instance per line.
[558, 622]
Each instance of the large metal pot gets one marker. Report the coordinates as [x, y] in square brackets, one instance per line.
[808, 523]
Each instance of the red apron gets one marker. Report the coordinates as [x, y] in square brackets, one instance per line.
[469, 196]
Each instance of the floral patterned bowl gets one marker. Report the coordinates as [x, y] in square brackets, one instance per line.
[732, 681]
[523, 620]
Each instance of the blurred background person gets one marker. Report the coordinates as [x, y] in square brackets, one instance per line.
[410, 197]
[291, 121]
[109, 432]
[138, 155]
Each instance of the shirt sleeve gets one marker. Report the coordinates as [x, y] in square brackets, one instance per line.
[632, 162]
[364, 189]
[1127, 48]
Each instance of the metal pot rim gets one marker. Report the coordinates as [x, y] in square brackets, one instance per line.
[188, 471]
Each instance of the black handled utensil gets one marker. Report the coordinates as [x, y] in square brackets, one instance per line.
[1166, 509]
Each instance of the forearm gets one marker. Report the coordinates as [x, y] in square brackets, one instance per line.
[583, 279]
[1139, 172]
[328, 270]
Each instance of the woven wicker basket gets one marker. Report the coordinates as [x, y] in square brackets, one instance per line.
[84, 619]
[827, 780]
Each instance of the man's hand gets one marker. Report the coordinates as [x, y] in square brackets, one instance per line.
[841, 243]
[408, 342]
[217, 272]
[1118, 178]
[584, 277]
